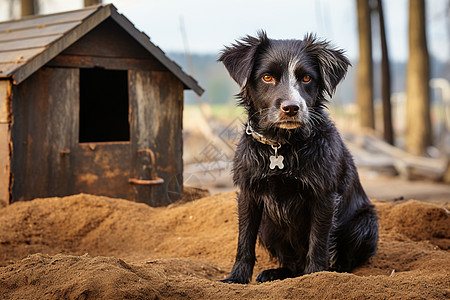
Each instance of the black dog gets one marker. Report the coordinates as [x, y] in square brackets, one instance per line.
[299, 190]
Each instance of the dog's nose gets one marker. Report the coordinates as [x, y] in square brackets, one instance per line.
[291, 109]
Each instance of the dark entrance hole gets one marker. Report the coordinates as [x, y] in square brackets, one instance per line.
[103, 106]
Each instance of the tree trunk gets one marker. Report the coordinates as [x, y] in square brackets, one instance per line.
[365, 68]
[28, 8]
[92, 2]
[418, 121]
[385, 80]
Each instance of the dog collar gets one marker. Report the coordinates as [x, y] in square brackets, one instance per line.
[260, 138]
[275, 160]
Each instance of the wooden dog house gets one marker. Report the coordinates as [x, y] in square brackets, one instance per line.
[88, 104]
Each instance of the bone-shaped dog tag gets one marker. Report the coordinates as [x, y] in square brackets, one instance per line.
[276, 161]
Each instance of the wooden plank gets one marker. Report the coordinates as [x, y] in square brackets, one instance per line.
[58, 46]
[30, 43]
[36, 21]
[4, 142]
[4, 164]
[39, 31]
[7, 69]
[41, 133]
[408, 165]
[4, 101]
[111, 63]
[18, 56]
[101, 169]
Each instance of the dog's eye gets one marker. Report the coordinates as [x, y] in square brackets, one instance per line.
[306, 78]
[268, 78]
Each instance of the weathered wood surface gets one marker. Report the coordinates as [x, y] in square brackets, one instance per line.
[4, 142]
[6, 58]
[39, 20]
[4, 101]
[30, 43]
[33, 32]
[109, 40]
[100, 169]
[101, 48]
[109, 63]
[21, 40]
[42, 126]
[156, 100]
[4, 164]
[47, 159]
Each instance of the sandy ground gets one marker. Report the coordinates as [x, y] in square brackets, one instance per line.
[91, 247]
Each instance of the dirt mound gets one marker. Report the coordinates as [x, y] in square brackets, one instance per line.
[104, 226]
[416, 220]
[99, 247]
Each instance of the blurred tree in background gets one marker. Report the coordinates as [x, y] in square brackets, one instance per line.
[418, 121]
[92, 2]
[388, 131]
[28, 7]
[364, 86]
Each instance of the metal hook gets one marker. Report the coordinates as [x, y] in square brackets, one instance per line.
[276, 148]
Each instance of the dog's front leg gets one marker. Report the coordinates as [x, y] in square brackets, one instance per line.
[249, 220]
[317, 258]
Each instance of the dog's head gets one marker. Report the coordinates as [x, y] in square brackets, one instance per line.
[284, 82]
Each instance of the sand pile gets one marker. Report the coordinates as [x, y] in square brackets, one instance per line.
[90, 247]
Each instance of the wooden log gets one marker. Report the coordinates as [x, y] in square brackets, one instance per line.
[407, 165]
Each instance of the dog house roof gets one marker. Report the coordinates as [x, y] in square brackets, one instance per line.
[28, 44]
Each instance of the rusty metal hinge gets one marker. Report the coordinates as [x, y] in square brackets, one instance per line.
[147, 174]
[145, 181]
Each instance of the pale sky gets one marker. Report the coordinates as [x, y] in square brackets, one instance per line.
[212, 24]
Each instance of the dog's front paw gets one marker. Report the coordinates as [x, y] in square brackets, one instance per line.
[313, 268]
[274, 274]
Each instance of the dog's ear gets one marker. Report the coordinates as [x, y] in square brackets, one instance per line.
[239, 57]
[332, 62]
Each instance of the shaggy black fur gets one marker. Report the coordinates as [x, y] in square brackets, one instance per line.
[312, 215]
